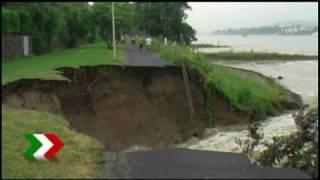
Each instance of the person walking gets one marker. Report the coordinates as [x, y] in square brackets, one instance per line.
[140, 40]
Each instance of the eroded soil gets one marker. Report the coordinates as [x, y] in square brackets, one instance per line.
[123, 106]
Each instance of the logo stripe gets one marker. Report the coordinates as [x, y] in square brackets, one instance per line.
[58, 144]
[46, 145]
[35, 145]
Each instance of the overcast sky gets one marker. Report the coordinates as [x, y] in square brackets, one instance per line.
[209, 16]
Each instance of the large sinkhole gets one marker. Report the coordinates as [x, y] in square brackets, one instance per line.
[122, 106]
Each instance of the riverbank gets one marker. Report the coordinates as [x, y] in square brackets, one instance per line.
[300, 77]
[243, 92]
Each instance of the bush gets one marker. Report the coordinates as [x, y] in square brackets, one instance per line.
[298, 150]
[48, 22]
[45, 22]
[40, 44]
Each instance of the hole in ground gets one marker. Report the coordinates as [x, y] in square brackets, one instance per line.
[121, 106]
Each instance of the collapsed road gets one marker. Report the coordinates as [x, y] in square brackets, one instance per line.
[144, 103]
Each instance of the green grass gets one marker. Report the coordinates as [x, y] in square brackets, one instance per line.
[248, 94]
[79, 158]
[253, 96]
[230, 55]
[44, 66]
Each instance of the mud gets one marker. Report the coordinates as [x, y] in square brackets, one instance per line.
[123, 106]
[120, 106]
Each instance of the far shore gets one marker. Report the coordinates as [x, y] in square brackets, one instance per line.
[209, 46]
[230, 55]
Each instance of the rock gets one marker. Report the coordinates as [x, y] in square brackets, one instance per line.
[280, 77]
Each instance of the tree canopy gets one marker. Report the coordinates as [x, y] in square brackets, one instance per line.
[73, 22]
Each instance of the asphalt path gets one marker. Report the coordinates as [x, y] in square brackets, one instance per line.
[143, 57]
[193, 164]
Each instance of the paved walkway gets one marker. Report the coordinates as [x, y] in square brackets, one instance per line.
[143, 57]
[194, 164]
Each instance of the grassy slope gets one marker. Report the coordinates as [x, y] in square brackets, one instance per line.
[249, 94]
[229, 55]
[78, 158]
[44, 66]
[81, 154]
[255, 97]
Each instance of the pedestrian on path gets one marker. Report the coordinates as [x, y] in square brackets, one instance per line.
[140, 43]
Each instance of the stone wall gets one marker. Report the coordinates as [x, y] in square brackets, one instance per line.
[13, 46]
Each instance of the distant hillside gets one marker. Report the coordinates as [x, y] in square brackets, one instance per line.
[284, 28]
[295, 23]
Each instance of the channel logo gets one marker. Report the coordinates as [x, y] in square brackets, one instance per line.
[43, 146]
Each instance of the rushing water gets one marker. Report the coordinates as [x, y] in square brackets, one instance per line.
[298, 76]
[304, 44]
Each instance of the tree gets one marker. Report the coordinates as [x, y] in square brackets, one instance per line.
[72, 22]
[102, 14]
[76, 24]
[166, 19]
[48, 22]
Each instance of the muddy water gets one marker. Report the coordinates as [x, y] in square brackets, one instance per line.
[298, 76]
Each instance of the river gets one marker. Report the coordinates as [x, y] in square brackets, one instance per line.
[303, 44]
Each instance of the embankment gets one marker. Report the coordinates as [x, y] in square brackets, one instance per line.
[124, 106]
